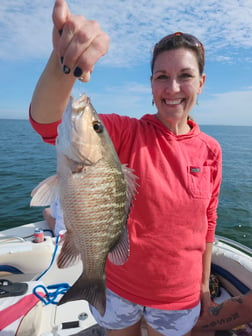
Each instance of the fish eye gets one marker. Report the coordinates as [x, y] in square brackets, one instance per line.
[97, 126]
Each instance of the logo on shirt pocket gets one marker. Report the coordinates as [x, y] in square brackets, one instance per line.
[199, 181]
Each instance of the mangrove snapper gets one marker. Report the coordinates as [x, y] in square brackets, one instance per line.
[95, 192]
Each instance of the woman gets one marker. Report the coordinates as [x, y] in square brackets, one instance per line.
[172, 221]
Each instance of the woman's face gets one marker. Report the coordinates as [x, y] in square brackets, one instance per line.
[175, 83]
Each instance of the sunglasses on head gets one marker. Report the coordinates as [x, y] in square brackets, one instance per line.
[190, 39]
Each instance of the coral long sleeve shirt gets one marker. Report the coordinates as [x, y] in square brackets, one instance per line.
[174, 213]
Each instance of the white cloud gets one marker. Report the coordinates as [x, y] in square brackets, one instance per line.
[222, 58]
[132, 88]
[134, 26]
[230, 108]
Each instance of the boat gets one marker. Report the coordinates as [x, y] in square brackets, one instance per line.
[28, 256]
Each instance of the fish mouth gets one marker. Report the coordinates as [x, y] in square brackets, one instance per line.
[80, 104]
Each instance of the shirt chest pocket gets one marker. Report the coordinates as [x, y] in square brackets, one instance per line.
[199, 181]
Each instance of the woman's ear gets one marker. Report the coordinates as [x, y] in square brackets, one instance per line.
[202, 82]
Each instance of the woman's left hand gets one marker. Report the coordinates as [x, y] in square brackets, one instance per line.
[206, 301]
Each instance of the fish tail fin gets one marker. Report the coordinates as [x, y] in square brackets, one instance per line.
[91, 290]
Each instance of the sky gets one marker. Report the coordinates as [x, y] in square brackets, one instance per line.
[120, 82]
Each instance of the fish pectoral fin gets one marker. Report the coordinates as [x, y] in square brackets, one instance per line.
[69, 254]
[119, 254]
[91, 290]
[131, 186]
[45, 192]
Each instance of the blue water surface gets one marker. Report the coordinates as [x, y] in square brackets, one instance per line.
[26, 161]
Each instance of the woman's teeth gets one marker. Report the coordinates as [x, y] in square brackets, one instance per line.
[173, 102]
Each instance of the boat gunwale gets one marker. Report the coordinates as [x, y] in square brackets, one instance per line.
[233, 243]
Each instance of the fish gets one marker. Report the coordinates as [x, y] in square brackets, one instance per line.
[96, 193]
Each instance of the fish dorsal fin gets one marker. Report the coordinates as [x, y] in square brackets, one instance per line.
[120, 252]
[46, 192]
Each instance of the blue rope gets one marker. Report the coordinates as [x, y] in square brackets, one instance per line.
[51, 297]
[53, 258]
[51, 291]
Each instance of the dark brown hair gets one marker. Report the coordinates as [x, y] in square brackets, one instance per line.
[180, 40]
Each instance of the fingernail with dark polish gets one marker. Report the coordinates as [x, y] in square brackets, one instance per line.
[66, 69]
[60, 31]
[61, 59]
[77, 72]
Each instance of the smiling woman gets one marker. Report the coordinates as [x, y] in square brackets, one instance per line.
[177, 78]
[173, 217]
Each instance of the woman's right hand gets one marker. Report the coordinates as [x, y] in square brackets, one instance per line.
[77, 45]
[78, 42]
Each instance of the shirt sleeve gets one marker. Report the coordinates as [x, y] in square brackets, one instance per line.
[48, 132]
[213, 205]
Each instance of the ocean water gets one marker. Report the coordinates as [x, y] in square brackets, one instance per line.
[26, 160]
